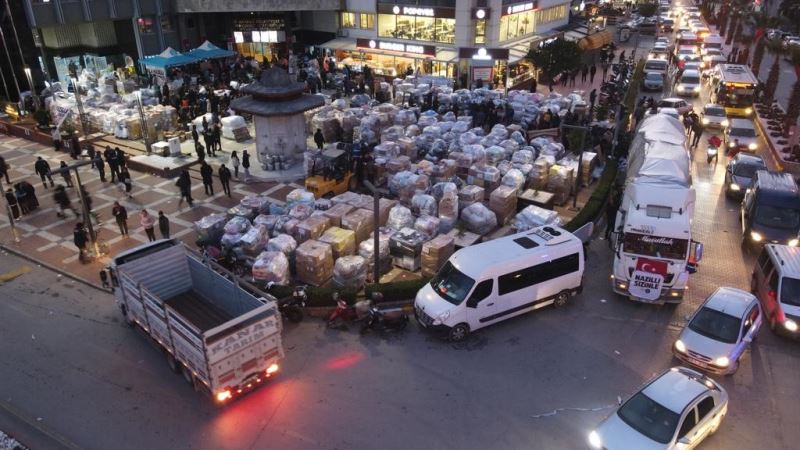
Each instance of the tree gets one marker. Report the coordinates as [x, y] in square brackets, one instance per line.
[648, 9]
[790, 9]
[774, 72]
[793, 110]
[723, 21]
[760, 22]
[556, 57]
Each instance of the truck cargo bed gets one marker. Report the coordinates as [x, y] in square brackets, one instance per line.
[201, 313]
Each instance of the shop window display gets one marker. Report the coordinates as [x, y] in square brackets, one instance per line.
[348, 20]
[417, 28]
[367, 20]
[145, 25]
[514, 26]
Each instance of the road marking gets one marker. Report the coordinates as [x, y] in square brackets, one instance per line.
[37, 424]
[8, 276]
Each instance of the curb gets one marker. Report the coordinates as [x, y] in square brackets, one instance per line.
[324, 311]
[53, 268]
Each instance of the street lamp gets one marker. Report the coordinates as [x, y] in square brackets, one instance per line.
[79, 103]
[11, 221]
[30, 83]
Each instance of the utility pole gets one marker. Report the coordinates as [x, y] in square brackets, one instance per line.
[87, 213]
[585, 131]
[14, 231]
[376, 218]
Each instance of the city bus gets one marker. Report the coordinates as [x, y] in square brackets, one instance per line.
[734, 87]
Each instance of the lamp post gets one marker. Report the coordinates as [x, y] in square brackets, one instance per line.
[80, 106]
[145, 132]
[14, 231]
[11, 66]
[33, 89]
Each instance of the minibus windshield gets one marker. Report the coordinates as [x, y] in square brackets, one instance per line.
[451, 284]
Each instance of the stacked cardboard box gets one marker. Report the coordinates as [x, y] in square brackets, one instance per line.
[314, 262]
[312, 228]
[336, 212]
[360, 222]
[405, 246]
[503, 202]
[435, 252]
[470, 194]
[384, 206]
[587, 166]
[341, 241]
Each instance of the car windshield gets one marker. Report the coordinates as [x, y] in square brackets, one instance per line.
[746, 170]
[715, 111]
[716, 325]
[654, 76]
[669, 104]
[743, 132]
[686, 51]
[690, 80]
[649, 418]
[659, 247]
[790, 291]
[451, 284]
[777, 217]
[655, 65]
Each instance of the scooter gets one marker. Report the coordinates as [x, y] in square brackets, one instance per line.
[292, 307]
[344, 313]
[711, 153]
[384, 320]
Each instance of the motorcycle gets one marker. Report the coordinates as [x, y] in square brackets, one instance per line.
[384, 320]
[344, 313]
[292, 307]
[711, 153]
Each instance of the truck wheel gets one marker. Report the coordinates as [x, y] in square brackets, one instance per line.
[173, 363]
[459, 332]
[561, 299]
[187, 375]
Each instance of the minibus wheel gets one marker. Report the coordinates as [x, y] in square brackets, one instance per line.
[561, 298]
[459, 332]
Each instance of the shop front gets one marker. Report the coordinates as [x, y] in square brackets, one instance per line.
[262, 38]
[417, 23]
[393, 59]
[484, 66]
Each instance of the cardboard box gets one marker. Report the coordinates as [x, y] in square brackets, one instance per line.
[360, 222]
[314, 262]
[341, 241]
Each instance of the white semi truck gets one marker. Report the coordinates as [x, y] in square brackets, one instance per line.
[653, 248]
[224, 340]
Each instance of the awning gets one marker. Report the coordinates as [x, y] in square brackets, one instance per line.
[517, 53]
[340, 44]
[574, 35]
[596, 40]
[446, 55]
[209, 51]
[168, 58]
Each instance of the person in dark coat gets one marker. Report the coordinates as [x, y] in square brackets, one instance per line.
[163, 225]
[216, 134]
[319, 139]
[4, 169]
[113, 165]
[205, 125]
[584, 73]
[121, 216]
[28, 192]
[65, 173]
[697, 130]
[225, 178]
[42, 169]
[62, 200]
[184, 183]
[98, 164]
[592, 72]
[206, 172]
[611, 212]
[121, 158]
[125, 178]
[11, 199]
[195, 135]
[208, 140]
[246, 165]
[80, 238]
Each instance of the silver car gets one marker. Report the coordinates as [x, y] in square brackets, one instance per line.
[740, 136]
[653, 81]
[713, 116]
[720, 331]
[740, 172]
[676, 410]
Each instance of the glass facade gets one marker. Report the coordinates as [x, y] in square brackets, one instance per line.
[389, 65]
[514, 26]
[429, 29]
[480, 31]
[348, 20]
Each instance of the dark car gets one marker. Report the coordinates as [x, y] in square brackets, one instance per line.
[740, 173]
[770, 210]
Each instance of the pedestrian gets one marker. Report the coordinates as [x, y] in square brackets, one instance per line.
[75, 146]
[534, 85]
[564, 78]
[13, 204]
[113, 165]
[121, 216]
[611, 212]
[206, 172]
[27, 192]
[148, 223]
[687, 123]
[97, 163]
[205, 125]
[80, 238]
[4, 169]
[57, 139]
[235, 164]
[584, 73]
[163, 225]
[246, 165]
[605, 71]
[621, 56]
[592, 72]
[65, 173]
[62, 200]
[122, 159]
[217, 139]
[195, 136]
[127, 182]
[572, 75]
[225, 179]
[697, 129]
[184, 183]
[319, 139]
[42, 168]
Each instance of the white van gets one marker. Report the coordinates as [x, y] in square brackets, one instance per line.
[487, 283]
[689, 84]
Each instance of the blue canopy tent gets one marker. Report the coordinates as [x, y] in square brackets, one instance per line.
[168, 58]
[209, 51]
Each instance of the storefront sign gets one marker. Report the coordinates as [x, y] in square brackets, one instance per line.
[482, 73]
[646, 285]
[414, 11]
[418, 11]
[480, 13]
[259, 23]
[427, 50]
[482, 53]
[520, 7]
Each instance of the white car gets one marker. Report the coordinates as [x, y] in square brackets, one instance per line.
[720, 331]
[713, 116]
[689, 84]
[681, 105]
[676, 410]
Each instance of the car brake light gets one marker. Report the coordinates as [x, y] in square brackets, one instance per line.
[223, 395]
[272, 369]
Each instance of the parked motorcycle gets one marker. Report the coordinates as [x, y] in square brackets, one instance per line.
[384, 320]
[344, 313]
[292, 307]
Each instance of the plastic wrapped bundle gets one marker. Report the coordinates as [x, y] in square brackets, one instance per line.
[439, 189]
[504, 166]
[448, 206]
[282, 243]
[341, 241]
[553, 149]
[314, 262]
[392, 134]
[559, 182]
[407, 147]
[518, 137]
[522, 157]
[533, 216]
[311, 228]
[423, 204]
[301, 211]
[405, 117]
[387, 150]
[266, 220]
[259, 204]
[405, 246]
[277, 210]
[322, 204]
[237, 224]
[367, 247]
[470, 194]
[299, 196]
[211, 227]
[477, 152]
[514, 178]
[384, 206]
[495, 154]
[478, 218]
[241, 211]
[413, 130]
[350, 272]
[510, 146]
[503, 202]
[254, 240]
[336, 212]
[428, 225]
[361, 222]
[231, 240]
[460, 127]
[272, 266]
[400, 217]
[339, 104]
[468, 138]
[347, 197]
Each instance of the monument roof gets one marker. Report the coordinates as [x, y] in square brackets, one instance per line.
[275, 94]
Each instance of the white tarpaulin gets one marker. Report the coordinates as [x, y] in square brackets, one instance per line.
[658, 151]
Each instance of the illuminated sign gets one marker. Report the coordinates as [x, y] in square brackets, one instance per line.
[483, 53]
[519, 8]
[414, 11]
[427, 50]
[417, 11]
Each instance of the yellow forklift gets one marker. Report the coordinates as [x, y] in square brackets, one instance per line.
[331, 174]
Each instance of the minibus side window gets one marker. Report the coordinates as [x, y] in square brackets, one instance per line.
[483, 290]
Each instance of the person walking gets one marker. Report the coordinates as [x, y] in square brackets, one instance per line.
[61, 199]
[246, 165]
[605, 71]
[42, 169]
[584, 73]
[225, 179]
[206, 172]
[163, 225]
[195, 135]
[319, 139]
[621, 56]
[697, 129]
[217, 138]
[572, 76]
[4, 169]
[97, 163]
[113, 164]
[65, 173]
[592, 72]
[235, 164]
[121, 216]
[148, 223]
[184, 183]
[127, 182]
[122, 158]
[80, 238]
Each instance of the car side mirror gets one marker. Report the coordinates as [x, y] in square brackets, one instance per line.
[698, 251]
[684, 441]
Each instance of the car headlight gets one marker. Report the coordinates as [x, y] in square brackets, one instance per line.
[731, 144]
[441, 318]
[752, 146]
[756, 237]
[680, 346]
[735, 187]
[594, 440]
[724, 123]
[722, 361]
[748, 111]
[790, 325]
[793, 243]
[697, 88]
[705, 121]
[680, 88]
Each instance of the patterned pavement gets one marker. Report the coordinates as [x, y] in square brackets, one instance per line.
[48, 239]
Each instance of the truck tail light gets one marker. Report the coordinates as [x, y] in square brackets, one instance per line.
[224, 395]
[272, 369]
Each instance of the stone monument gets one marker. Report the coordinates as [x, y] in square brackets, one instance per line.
[277, 104]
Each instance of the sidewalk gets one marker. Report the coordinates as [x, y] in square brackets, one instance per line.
[48, 240]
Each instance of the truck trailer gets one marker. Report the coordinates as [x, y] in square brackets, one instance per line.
[222, 338]
[653, 248]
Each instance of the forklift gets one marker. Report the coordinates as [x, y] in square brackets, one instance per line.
[331, 174]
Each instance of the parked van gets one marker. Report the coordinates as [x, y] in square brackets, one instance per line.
[487, 283]
[714, 41]
[776, 284]
[771, 210]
